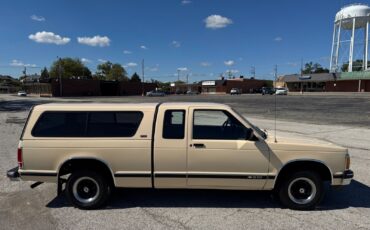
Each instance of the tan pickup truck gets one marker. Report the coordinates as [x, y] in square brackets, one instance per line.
[88, 149]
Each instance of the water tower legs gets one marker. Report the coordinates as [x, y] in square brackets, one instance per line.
[350, 63]
[366, 45]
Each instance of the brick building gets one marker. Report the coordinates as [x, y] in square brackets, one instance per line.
[327, 82]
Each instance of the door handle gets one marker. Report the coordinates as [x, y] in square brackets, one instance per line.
[199, 145]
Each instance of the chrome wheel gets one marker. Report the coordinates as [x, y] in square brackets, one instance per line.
[86, 190]
[302, 190]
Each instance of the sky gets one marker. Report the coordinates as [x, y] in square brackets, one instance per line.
[199, 38]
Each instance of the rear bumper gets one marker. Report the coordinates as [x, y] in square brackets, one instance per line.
[13, 174]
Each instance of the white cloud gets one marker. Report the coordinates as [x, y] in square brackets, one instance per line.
[217, 22]
[229, 62]
[85, 60]
[143, 47]
[185, 2]
[20, 64]
[182, 69]
[49, 37]
[131, 64]
[38, 18]
[102, 60]
[278, 39]
[205, 64]
[176, 44]
[94, 41]
[127, 52]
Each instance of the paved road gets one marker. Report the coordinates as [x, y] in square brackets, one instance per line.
[39, 208]
[351, 109]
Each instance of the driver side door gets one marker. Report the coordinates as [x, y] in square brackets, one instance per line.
[219, 156]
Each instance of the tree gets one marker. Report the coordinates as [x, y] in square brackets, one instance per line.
[44, 75]
[117, 73]
[356, 65]
[113, 72]
[135, 78]
[104, 69]
[69, 68]
[311, 67]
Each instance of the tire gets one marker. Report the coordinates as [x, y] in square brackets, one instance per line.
[301, 191]
[87, 190]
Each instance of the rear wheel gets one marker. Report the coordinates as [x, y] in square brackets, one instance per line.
[302, 191]
[87, 190]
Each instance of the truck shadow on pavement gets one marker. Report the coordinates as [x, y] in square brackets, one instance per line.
[355, 195]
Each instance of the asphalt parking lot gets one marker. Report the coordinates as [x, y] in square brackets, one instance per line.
[343, 119]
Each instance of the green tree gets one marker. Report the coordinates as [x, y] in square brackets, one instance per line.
[69, 68]
[44, 75]
[135, 78]
[356, 66]
[311, 67]
[113, 72]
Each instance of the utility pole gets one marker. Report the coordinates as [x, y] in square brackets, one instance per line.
[178, 75]
[275, 73]
[142, 84]
[60, 77]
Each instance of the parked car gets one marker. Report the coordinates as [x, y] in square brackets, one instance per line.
[155, 93]
[189, 92]
[235, 91]
[281, 91]
[22, 93]
[93, 148]
[267, 90]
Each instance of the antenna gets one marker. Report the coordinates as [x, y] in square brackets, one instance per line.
[275, 73]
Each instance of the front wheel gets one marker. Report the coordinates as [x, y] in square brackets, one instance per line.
[87, 190]
[302, 191]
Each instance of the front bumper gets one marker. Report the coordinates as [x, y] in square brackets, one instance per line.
[13, 174]
[344, 178]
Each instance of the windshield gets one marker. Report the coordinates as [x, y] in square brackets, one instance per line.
[255, 128]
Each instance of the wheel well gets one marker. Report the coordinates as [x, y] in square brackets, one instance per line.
[298, 166]
[86, 164]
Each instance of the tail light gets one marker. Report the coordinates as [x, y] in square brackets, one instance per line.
[347, 161]
[20, 158]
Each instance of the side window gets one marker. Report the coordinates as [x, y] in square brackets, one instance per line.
[113, 124]
[174, 124]
[60, 124]
[217, 125]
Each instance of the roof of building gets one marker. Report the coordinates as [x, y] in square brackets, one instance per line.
[316, 77]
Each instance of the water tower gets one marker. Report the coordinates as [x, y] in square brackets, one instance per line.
[351, 39]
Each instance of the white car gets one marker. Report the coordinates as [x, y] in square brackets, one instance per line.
[281, 91]
[22, 93]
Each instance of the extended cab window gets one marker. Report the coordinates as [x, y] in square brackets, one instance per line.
[60, 124]
[217, 125]
[113, 124]
[87, 124]
[174, 124]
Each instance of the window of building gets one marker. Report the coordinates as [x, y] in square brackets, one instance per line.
[174, 124]
[217, 125]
